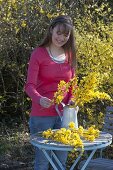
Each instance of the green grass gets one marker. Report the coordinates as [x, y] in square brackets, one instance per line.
[15, 146]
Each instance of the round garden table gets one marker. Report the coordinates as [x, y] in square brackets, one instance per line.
[37, 140]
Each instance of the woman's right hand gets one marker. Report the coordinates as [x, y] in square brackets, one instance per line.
[45, 102]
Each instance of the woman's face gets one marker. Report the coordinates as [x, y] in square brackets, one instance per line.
[60, 36]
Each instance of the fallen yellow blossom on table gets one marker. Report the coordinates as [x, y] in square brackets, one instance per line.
[72, 136]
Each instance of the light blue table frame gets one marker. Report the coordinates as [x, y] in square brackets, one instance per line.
[103, 141]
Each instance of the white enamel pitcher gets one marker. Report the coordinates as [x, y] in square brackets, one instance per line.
[69, 115]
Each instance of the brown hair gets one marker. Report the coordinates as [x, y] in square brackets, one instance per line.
[69, 47]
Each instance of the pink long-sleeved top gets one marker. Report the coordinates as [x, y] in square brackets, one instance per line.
[42, 80]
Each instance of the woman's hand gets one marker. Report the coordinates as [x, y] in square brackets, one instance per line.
[71, 103]
[45, 102]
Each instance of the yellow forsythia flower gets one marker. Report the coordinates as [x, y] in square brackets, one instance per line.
[71, 125]
[72, 136]
[86, 92]
[23, 24]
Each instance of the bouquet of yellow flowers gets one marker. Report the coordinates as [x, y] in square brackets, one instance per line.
[87, 91]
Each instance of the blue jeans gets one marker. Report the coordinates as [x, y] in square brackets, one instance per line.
[41, 123]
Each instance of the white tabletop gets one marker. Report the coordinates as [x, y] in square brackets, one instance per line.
[104, 140]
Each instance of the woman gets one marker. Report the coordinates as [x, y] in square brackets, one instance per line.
[51, 62]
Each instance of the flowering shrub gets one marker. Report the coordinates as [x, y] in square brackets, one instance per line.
[72, 136]
[87, 91]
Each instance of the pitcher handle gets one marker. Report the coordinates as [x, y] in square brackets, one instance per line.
[56, 107]
[77, 109]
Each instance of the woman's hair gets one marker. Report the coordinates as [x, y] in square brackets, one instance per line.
[66, 23]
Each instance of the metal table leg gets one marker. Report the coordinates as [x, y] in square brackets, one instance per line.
[57, 160]
[51, 161]
[88, 159]
[74, 164]
[76, 161]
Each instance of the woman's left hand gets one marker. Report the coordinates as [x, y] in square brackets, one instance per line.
[45, 102]
[71, 102]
